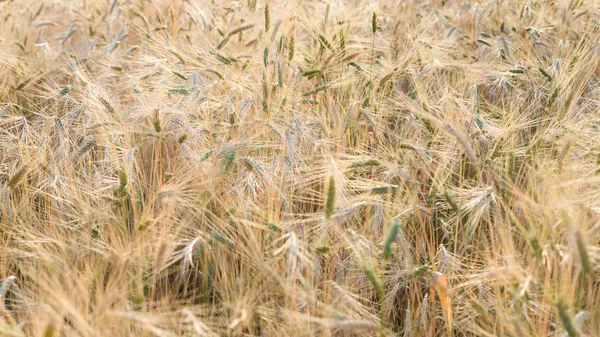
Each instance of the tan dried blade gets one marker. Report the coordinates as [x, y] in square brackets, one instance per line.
[439, 284]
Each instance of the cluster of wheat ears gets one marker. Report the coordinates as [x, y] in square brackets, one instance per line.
[299, 168]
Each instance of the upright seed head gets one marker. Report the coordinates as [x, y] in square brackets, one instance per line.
[391, 237]
[330, 201]
[122, 192]
[266, 56]
[265, 87]
[279, 74]
[157, 126]
[584, 257]
[291, 47]
[267, 18]
[374, 22]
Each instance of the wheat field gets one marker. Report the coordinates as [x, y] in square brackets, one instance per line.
[299, 168]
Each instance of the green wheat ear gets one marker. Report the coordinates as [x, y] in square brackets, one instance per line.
[315, 90]
[391, 237]
[65, 90]
[221, 238]
[123, 181]
[330, 200]
[536, 247]
[374, 22]
[267, 18]
[364, 163]
[420, 270]
[375, 281]
[266, 56]
[279, 75]
[240, 29]
[451, 201]
[584, 257]
[565, 318]
[291, 47]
